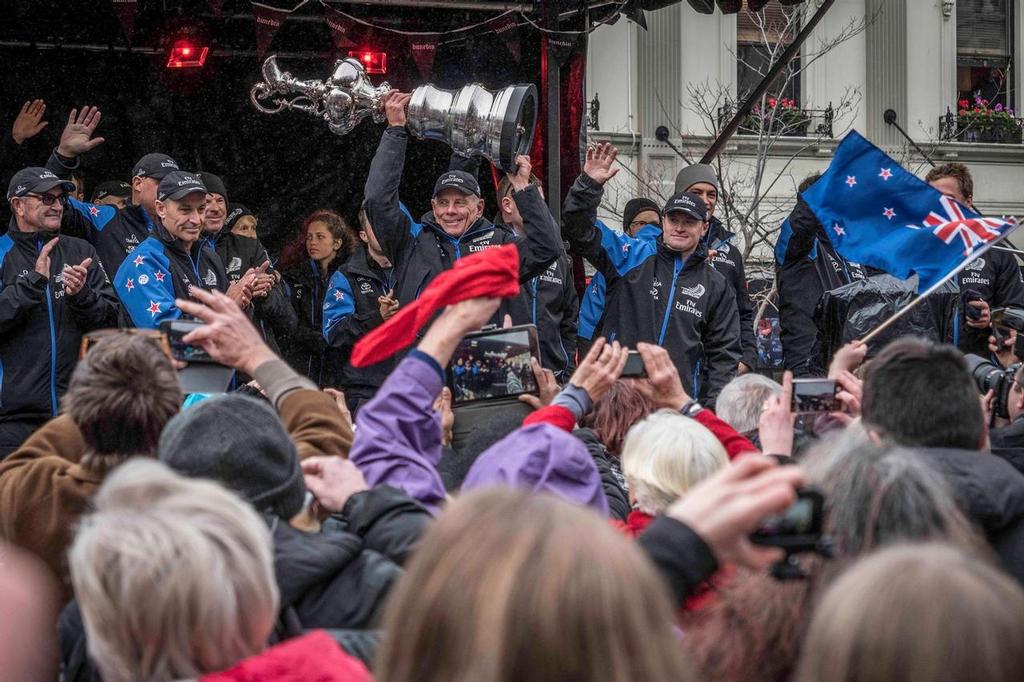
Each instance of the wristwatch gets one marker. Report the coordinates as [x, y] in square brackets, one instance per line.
[690, 409]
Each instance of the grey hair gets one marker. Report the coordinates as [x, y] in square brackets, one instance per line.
[741, 400]
[174, 576]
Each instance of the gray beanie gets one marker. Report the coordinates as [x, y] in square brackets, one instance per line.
[241, 443]
[698, 172]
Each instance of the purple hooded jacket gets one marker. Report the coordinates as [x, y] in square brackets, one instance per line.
[398, 443]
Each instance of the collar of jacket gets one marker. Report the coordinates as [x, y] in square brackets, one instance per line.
[717, 233]
[698, 257]
[360, 263]
[481, 225]
[172, 242]
[648, 232]
[32, 237]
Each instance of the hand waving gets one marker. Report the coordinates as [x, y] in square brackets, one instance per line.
[600, 159]
[77, 136]
[29, 121]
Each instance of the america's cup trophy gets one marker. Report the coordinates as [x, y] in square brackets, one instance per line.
[472, 120]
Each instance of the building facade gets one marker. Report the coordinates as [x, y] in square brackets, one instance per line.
[920, 58]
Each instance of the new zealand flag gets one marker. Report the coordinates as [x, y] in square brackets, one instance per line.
[877, 213]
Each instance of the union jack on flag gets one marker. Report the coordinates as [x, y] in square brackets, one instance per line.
[974, 232]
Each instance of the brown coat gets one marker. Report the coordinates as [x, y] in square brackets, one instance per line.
[43, 490]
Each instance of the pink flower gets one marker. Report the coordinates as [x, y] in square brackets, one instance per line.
[999, 107]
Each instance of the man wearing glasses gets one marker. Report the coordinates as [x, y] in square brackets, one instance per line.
[52, 290]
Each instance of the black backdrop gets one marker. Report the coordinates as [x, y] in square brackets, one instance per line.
[281, 166]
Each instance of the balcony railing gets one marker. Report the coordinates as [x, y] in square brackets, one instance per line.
[782, 121]
[994, 127]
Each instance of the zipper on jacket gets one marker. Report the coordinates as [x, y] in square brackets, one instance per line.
[53, 340]
[696, 379]
[676, 268]
[533, 285]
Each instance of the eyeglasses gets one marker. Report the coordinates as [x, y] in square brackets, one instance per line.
[155, 335]
[639, 223]
[47, 199]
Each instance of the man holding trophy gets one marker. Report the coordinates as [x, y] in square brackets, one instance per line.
[455, 226]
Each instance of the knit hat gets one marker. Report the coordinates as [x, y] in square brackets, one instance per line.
[491, 272]
[541, 458]
[241, 443]
[213, 183]
[635, 207]
[698, 172]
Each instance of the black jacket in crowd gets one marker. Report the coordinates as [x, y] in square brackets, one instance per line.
[421, 251]
[160, 271]
[657, 296]
[114, 233]
[350, 311]
[810, 268]
[306, 350]
[996, 276]
[1008, 443]
[729, 261]
[618, 498]
[990, 493]
[41, 328]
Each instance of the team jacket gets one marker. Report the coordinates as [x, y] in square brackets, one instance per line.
[350, 310]
[728, 260]
[40, 327]
[656, 295]
[810, 267]
[113, 233]
[307, 352]
[421, 251]
[161, 270]
[550, 302]
[996, 276]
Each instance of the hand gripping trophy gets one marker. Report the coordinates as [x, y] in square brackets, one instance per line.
[473, 121]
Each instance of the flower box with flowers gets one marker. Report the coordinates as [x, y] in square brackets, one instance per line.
[781, 117]
[980, 122]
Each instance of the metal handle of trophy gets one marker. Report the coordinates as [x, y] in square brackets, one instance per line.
[262, 91]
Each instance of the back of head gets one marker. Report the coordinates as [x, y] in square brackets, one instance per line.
[667, 454]
[511, 586]
[174, 577]
[741, 400]
[959, 172]
[917, 612]
[240, 442]
[920, 394]
[615, 413]
[121, 396]
[541, 458]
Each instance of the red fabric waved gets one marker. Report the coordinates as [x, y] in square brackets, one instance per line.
[491, 272]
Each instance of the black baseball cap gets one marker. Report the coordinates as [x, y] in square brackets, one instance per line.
[236, 212]
[460, 180]
[688, 203]
[178, 185]
[213, 183]
[35, 180]
[112, 188]
[154, 165]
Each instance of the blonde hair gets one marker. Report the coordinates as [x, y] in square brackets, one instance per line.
[174, 576]
[665, 455]
[509, 585]
[917, 612]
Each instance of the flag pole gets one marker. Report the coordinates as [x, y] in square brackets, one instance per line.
[1009, 250]
[933, 288]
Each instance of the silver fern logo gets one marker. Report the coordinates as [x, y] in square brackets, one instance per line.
[693, 292]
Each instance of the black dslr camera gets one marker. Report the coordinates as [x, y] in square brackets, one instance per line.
[991, 377]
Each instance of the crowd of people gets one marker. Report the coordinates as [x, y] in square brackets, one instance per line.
[319, 519]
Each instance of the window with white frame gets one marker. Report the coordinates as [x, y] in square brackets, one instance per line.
[984, 58]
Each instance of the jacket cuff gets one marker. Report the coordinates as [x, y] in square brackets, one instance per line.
[65, 162]
[36, 280]
[588, 182]
[397, 131]
[574, 399]
[682, 556]
[277, 380]
[428, 360]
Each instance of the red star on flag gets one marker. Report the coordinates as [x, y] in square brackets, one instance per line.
[93, 211]
[838, 230]
[159, 276]
[889, 213]
[153, 308]
[138, 261]
[885, 174]
[338, 295]
[851, 180]
[129, 285]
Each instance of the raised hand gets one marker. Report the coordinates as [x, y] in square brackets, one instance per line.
[521, 178]
[394, 107]
[75, 277]
[77, 136]
[29, 121]
[600, 159]
[228, 335]
[601, 368]
[43, 259]
[775, 427]
[547, 387]
[663, 385]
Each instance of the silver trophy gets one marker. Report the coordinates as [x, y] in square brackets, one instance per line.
[472, 120]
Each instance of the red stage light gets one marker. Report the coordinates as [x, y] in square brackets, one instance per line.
[185, 55]
[373, 62]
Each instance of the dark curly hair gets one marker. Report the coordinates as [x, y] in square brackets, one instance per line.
[294, 252]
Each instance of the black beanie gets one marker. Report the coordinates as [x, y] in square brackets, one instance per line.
[214, 184]
[241, 443]
[635, 207]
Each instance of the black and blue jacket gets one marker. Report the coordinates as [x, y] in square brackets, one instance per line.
[658, 296]
[421, 251]
[350, 310]
[306, 350]
[728, 260]
[41, 328]
[161, 270]
[113, 233]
